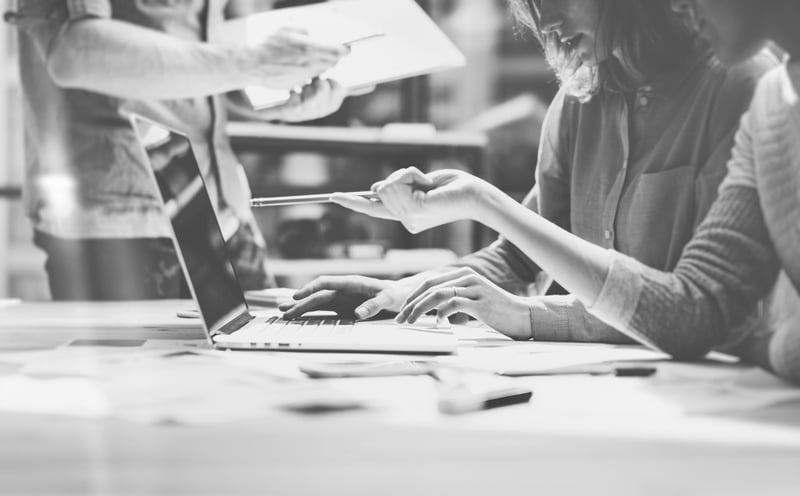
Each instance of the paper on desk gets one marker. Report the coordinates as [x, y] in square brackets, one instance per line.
[75, 397]
[162, 386]
[531, 358]
[269, 297]
[719, 388]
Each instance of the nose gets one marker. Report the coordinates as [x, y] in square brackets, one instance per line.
[550, 17]
[681, 6]
[686, 9]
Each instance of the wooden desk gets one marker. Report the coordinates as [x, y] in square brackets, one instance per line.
[597, 435]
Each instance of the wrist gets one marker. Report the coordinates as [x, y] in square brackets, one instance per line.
[248, 68]
[489, 202]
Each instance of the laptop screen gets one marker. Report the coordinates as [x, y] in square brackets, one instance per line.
[199, 241]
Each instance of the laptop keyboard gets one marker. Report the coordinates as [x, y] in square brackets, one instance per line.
[278, 330]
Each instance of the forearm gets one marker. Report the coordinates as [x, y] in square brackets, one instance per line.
[503, 264]
[723, 272]
[578, 265]
[129, 61]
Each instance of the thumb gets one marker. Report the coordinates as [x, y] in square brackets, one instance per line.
[416, 177]
[362, 205]
[371, 307]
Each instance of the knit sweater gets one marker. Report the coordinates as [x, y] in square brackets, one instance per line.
[745, 250]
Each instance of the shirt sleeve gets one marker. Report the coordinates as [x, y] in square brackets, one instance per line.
[45, 20]
[723, 272]
[564, 318]
[502, 262]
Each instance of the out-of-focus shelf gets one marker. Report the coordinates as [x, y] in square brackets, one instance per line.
[386, 141]
[395, 263]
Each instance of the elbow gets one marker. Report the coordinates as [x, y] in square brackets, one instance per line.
[685, 349]
[66, 61]
[687, 353]
[791, 374]
[784, 354]
[63, 67]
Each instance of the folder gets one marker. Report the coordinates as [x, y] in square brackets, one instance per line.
[389, 40]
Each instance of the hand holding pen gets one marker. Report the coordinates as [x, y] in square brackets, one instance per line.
[280, 201]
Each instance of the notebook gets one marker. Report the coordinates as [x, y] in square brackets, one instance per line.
[213, 282]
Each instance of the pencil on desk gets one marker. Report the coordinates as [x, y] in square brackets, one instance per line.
[280, 201]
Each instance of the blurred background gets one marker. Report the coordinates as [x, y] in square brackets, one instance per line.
[484, 117]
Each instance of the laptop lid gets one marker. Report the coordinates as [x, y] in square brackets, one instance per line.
[212, 278]
[198, 238]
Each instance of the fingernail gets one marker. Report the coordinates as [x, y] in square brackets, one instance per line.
[361, 312]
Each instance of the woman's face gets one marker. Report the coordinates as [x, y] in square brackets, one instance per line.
[576, 23]
[736, 29]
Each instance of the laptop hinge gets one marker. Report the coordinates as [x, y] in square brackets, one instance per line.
[234, 325]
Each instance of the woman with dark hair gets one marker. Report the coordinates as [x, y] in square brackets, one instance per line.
[632, 150]
[745, 249]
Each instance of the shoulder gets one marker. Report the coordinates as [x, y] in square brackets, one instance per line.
[775, 83]
[773, 93]
[740, 81]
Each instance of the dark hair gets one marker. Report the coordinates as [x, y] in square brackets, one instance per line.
[646, 35]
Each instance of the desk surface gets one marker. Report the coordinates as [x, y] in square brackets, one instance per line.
[672, 434]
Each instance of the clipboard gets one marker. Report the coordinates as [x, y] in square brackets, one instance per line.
[389, 40]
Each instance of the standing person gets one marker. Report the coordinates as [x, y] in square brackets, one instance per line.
[85, 65]
[633, 148]
[745, 249]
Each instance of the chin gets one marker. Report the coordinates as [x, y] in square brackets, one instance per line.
[589, 60]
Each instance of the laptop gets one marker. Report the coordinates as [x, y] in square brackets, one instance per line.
[212, 279]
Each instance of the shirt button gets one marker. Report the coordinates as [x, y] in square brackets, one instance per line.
[607, 234]
[644, 101]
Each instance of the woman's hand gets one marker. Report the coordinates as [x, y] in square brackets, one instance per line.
[290, 58]
[465, 291]
[422, 201]
[317, 99]
[361, 296]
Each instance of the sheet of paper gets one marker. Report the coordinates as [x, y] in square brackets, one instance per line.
[410, 43]
[161, 386]
[720, 388]
[532, 358]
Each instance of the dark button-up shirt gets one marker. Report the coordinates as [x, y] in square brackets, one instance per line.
[634, 172]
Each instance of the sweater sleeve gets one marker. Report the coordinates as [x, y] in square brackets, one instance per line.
[727, 267]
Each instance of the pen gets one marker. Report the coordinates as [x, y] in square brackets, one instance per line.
[595, 369]
[363, 38]
[466, 401]
[278, 201]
